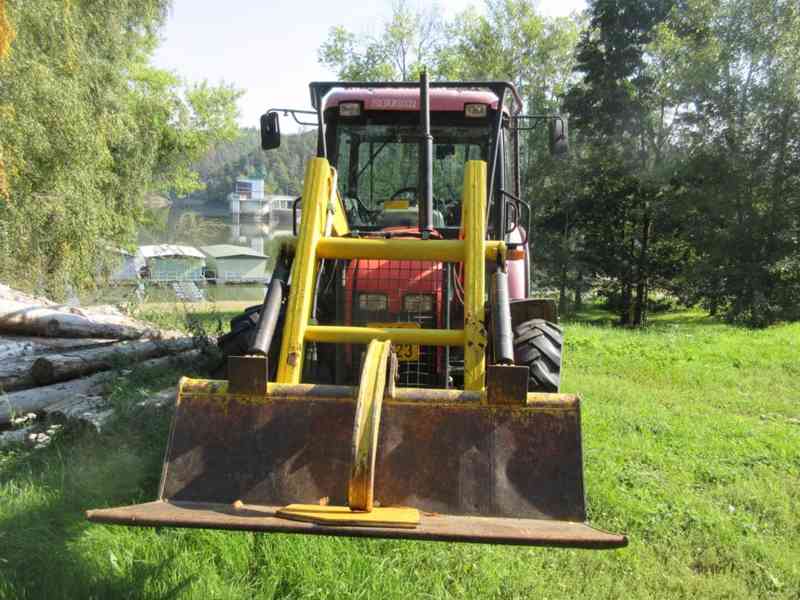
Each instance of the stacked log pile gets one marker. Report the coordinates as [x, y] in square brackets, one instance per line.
[56, 360]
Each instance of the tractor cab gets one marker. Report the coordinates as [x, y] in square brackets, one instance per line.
[373, 140]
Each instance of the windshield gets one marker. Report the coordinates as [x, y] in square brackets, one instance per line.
[379, 162]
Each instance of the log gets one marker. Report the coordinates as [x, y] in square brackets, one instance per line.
[16, 375]
[39, 399]
[88, 409]
[52, 368]
[26, 319]
[13, 346]
[16, 436]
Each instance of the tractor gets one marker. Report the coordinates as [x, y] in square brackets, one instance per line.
[398, 380]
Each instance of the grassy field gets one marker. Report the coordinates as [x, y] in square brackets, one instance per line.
[692, 446]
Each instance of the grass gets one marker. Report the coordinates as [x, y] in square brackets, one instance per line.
[692, 446]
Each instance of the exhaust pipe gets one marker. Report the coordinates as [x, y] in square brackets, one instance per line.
[425, 185]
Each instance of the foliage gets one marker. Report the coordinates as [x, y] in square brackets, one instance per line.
[736, 63]
[87, 128]
[408, 41]
[282, 169]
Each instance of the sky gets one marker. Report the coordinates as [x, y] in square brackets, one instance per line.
[268, 48]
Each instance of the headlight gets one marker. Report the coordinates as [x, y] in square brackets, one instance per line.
[373, 302]
[418, 303]
[349, 109]
[475, 111]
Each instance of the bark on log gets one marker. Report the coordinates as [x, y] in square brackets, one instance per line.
[13, 346]
[38, 399]
[26, 319]
[17, 374]
[52, 368]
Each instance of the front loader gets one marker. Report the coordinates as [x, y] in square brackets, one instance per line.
[397, 382]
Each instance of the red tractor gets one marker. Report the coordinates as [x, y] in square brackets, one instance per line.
[371, 133]
[379, 390]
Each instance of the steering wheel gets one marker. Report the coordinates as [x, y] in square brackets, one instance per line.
[405, 190]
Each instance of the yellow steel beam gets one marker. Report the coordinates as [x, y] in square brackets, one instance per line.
[317, 192]
[335, 334]
[360, 487]
[340, 226]
[371, 248]
[474, 223]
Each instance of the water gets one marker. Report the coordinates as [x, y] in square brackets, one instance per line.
[197, 224]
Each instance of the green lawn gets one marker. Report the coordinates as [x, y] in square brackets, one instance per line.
[692, 446]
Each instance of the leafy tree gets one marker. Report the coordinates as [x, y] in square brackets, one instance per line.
[87, 128]
[624, 116]
[737, 63]
[282, 169]
[408, 41]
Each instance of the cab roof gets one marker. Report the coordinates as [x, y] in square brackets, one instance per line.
[407, 99]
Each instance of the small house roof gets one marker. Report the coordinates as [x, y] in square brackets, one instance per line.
[168, 250]
[230, 251]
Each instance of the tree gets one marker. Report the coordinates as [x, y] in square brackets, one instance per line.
[737, 62]
[407, 41]
[87, 128]
[624, 115]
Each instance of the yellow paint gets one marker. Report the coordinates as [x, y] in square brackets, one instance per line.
[382, 249]
[317, 191]
[360, 490]
[337, 334]
[390, 516]
[396, 205]
[340, 225]
[474, 225]
[405, 352]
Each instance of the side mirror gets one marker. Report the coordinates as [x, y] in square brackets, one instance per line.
[559, 144]
[270, 131]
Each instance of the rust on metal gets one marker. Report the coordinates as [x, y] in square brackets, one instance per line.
[507, 384]
[248, 375]
[432, 527]
[457, 458]
[525, 309]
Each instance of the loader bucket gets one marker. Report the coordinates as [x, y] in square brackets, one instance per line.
[476, 472]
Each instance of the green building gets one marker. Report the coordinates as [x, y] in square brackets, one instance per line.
[228, 263]
[168, 262]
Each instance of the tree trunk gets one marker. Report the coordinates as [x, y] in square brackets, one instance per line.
[61, 367]
[41, 398]
[625, 305]
[562, 290]
[25, 319]
[577, 295]
[14, 346]
[17, 374]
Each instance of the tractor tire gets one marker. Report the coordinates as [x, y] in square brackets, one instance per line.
[538, 344]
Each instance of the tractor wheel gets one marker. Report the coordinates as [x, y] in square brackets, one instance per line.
[537, 344]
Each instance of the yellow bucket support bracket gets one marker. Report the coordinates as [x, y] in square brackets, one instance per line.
[361, 487]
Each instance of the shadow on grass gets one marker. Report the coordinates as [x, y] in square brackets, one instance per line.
[597, 316]
[43, 529]
[49, 550]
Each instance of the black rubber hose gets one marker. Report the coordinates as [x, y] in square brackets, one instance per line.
[502, 336]
[271, 308]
